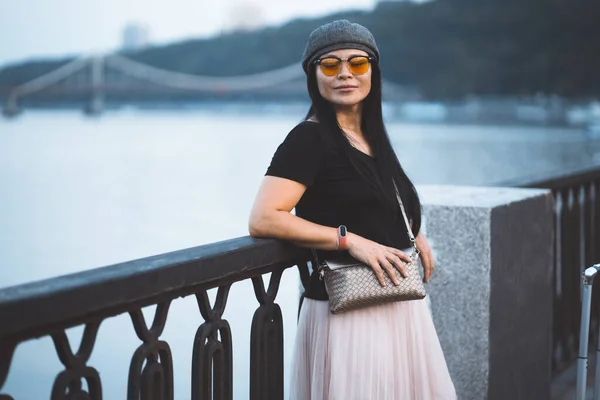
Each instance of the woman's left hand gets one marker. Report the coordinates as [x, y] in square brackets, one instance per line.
[425, 255]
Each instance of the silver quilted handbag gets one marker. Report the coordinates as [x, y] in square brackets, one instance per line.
[352, 284]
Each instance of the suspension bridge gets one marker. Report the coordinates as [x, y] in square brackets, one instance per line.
[91, 79]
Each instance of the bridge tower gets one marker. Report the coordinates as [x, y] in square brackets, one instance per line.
[96, 104]
[11, 108]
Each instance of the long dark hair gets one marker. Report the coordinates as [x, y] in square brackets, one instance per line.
[373, 127]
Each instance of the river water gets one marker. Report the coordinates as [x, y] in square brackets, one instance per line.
[79, 193]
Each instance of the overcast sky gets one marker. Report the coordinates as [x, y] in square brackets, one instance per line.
[33, 28]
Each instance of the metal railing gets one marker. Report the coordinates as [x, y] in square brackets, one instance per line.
[49, 307]
[577, 246]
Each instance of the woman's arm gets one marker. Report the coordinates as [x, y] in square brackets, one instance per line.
[271, 218]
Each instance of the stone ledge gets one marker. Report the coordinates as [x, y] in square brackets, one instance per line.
[491, 293]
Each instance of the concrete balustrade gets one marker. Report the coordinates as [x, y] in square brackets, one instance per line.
[492, 292]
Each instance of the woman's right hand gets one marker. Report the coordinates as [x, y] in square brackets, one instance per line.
[378, 257]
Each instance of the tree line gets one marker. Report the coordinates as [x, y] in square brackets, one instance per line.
[446, 49]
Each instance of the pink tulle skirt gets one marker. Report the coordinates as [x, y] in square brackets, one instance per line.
[387, 352]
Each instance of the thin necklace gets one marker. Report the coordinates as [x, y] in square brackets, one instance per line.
[355, 143]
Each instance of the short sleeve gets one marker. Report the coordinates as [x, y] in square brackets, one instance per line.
[299, 156]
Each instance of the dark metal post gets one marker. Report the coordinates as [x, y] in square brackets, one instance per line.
[582, 363]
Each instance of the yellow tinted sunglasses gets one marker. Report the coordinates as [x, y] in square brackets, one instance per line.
[331, 65]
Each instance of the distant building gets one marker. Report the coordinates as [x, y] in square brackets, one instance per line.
[244, 17]
[401, 1]
[136, 36]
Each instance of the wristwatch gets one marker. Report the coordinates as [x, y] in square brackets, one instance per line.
[342, 237]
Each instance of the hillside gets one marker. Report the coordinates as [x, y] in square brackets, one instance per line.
[445, 48]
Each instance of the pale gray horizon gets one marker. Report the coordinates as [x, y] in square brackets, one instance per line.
[31, 29]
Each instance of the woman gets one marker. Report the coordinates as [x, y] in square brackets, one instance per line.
[337, 168]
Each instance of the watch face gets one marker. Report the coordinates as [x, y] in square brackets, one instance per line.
[342, 230]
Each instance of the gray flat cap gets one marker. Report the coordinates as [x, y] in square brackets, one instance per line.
[340, 34]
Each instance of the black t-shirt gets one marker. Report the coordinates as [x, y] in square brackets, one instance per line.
[336, 193]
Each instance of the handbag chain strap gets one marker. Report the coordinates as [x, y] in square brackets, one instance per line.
[409, 230]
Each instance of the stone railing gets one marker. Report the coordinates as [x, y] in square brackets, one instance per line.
[577, 246]
[491, 294]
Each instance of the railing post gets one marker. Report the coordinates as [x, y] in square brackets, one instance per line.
[587, 278]
[597, 380]
[68, 383]
[212, 356]
[151, 368]
[7, 349]
[266, 343]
